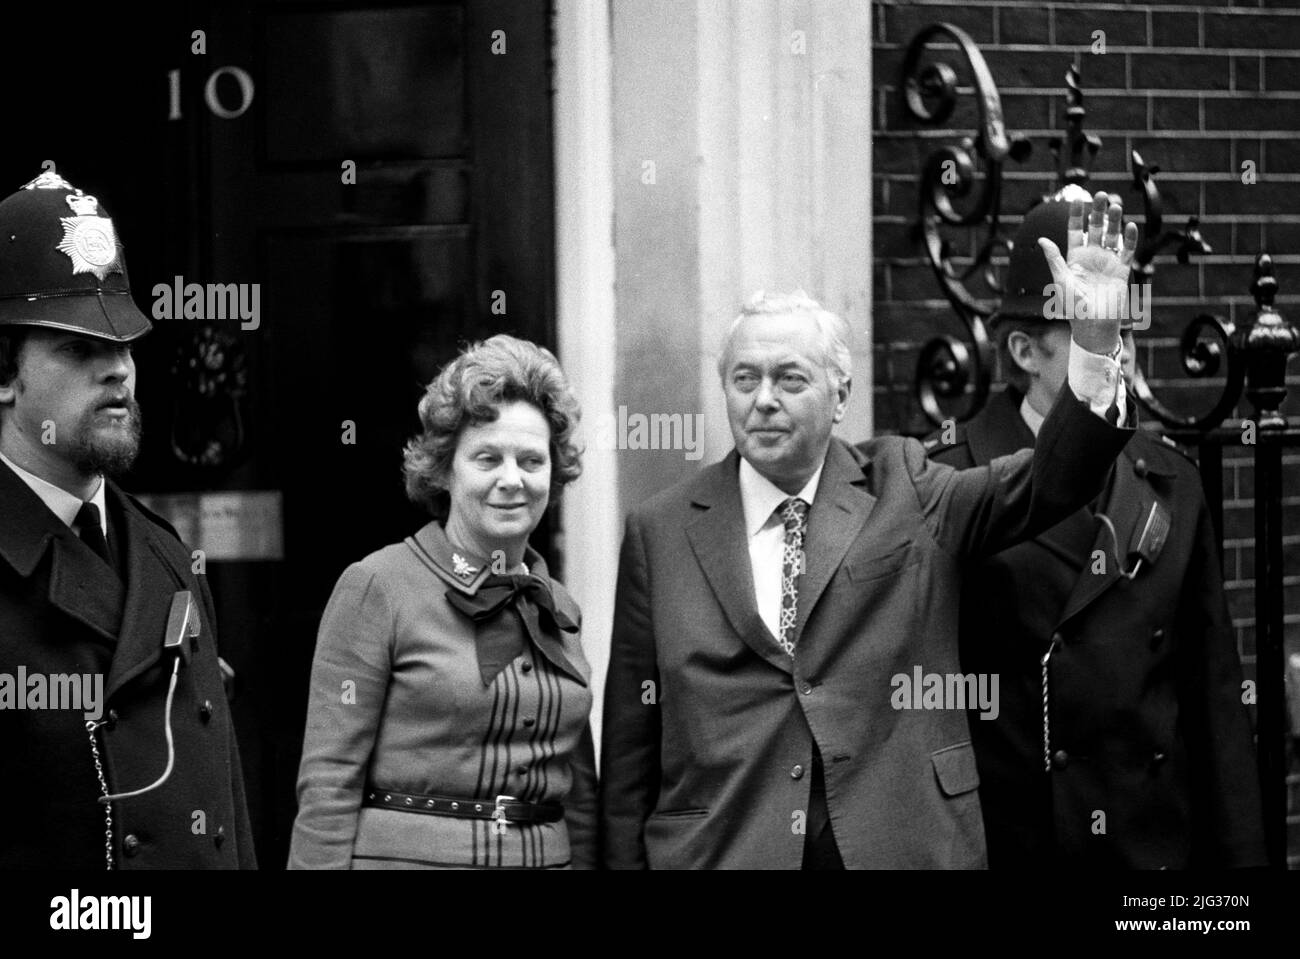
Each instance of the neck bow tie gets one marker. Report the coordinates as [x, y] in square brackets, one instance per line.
[498, 638]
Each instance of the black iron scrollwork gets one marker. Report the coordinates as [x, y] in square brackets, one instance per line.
[949, 366]
[1075, 154]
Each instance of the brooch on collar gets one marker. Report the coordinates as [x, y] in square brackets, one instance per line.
[463, 569]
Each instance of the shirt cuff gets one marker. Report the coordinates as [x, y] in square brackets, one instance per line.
[1098, 381]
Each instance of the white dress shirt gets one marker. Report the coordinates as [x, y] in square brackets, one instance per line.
[765, 532]
[61, 503]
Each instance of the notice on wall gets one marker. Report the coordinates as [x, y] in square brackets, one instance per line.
[235, 526]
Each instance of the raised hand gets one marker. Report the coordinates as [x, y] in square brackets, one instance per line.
[1092, 279]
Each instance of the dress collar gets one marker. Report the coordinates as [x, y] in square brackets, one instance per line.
[463, 569]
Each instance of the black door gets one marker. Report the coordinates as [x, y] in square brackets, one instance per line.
[383, 175]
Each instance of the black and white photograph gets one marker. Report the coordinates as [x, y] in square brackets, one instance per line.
[666, 435]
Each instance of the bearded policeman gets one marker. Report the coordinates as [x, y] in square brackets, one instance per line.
[117, 748]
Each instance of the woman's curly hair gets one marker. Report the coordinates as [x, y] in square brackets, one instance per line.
[468, 392]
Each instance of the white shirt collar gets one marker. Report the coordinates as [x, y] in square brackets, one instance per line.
[1033, 419]
[759, 496]
[60, 502]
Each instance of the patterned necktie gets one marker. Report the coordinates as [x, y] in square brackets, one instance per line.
[794, 514]
[92, 534]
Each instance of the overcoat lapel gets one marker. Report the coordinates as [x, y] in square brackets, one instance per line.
[152, 580]
[717, 537]
[81, 585]
[1077, 539]
[1128, 503]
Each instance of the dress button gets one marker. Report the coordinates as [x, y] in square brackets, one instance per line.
[527, 667]
[521, 770]
[1058, 639]
[1157, 637]
[205, 711]
[112, 719]
[1140, 468]
[219, 839]
[796, 772]
[130, 845]
[1158, 757]
[529, 722]
[1060, 759]
[806, 688]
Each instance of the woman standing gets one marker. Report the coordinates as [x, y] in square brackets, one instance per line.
[448, 718]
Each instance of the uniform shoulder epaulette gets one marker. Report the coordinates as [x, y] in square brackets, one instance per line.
[1170, 444]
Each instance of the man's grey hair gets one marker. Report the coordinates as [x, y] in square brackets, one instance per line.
[833, 331]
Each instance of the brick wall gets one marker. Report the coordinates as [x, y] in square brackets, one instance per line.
[1199, 90]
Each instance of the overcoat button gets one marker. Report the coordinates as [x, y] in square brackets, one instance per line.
[527, 667]
[220, 838]
[1159, 757]
[806, 688]
[521, 770]
[205, 711]
[796, 772]
[112, 719]
[1060, 759]
[130, 845]
[1157, 636]
[1140, 468]
[529, 722]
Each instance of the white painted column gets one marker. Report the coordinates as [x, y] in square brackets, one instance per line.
[784, 120]
[585, 305]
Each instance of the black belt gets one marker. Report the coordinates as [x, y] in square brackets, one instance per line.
[507, 808]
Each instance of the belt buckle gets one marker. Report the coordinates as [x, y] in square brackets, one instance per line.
[499, 809]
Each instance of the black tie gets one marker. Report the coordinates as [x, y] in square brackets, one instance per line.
[92, 534]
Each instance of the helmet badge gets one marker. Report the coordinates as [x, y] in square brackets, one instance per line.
[88, 238]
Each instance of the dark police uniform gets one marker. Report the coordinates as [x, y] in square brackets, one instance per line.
[1149, 745]
[65, 611]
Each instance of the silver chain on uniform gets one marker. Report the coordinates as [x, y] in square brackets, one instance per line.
[103, 788]
[1047, 728]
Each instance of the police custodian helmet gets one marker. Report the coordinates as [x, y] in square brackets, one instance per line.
[1028, 274]
[61, 265]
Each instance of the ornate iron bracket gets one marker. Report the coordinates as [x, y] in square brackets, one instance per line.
[949, 366]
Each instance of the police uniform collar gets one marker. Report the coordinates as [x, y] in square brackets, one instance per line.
[999, 429]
